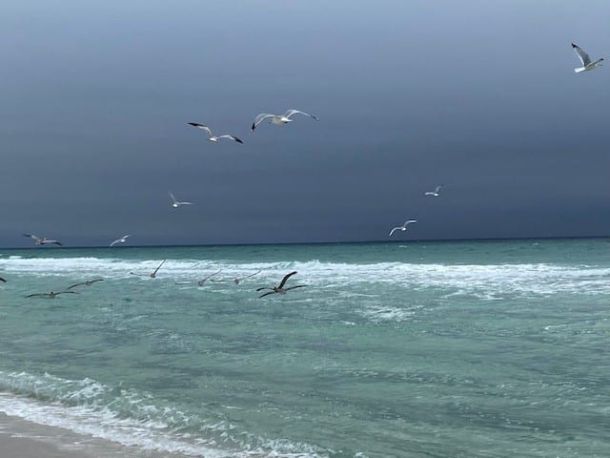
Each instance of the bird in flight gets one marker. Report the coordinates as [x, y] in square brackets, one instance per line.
[435, 193]
[403, 227]
[214, 138]
[176, 203]
[154, 273]
[120, 240]
[40, 241]
[280, 288]
[84, 283]
[587, 64]
[203, 280]
[51, 294]
[279, 120]
[238, 280]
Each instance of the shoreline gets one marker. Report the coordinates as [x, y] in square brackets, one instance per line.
[20, 438]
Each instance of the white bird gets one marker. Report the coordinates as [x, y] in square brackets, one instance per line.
[40, 241]
[214, 138]
[176, 203]
[434, 193]
[279, 120]
[403, 227]
[587, 64]
[121, 240]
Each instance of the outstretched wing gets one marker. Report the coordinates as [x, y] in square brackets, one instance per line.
[66, 292]
[266, 294]
[394, 230]
[295, 287]
[172, 197]
[285, 279]
[2, 280]
[260, 118]
[292, 112]
[202, 127]
[76, 285]
[262, 288]
[33, 237]
[582, 55]
[410, 221]
[157, 269]
[438, 189]
[52, 242]
[231, 137]
[37, 295]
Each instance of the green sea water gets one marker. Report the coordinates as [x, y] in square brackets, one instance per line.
[465, 349]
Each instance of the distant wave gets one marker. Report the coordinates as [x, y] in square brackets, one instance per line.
[132, 419]
[483, 281]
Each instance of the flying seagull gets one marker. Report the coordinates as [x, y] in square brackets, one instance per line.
[51, 295]
[203, 280]
[176, 203]
[279, 120]
[42, 241]
[214, 138]
[280, 288]
[403, 227]
[435, 193]
[587, 64]
[238, 280]
[84, 283]
[154, 274]
[121, 240]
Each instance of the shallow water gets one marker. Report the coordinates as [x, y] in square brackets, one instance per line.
[413, 349]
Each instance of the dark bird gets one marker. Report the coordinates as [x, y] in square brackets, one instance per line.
[40, 241]
[203, 280]
[280, 288]
[154, 274]
[51, 295]
[85, 283]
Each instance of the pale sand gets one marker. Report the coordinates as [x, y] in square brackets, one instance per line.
[23, 439]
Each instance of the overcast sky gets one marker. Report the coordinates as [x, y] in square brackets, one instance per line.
[480, 96]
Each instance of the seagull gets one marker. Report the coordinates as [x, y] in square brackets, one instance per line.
[280, 288]
[84, 283]
[203, 280]
[121, 240]
[403, 227]
[42, 241]
[279, 120]
[587, 65]
[435, 193]
[154, 274]
[51, 295]
[177, 203]
[214, 138]
[237, 280]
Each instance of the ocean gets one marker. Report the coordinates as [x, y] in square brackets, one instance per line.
[446, 349]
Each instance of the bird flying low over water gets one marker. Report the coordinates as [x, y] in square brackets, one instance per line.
[238, 280]
[279, 120]
[280, 288]
[587, 64]
[51, 294]
[204, 279]
[84, 283]
[121, 240]
[154, 273]
[40, 241]
[403, 227]
[176, 203]
[435, 193]
[214, 138]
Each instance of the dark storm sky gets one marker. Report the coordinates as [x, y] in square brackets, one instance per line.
[478, 95]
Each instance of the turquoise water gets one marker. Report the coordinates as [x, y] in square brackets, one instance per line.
[491, 349]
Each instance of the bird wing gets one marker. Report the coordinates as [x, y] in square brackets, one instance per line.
[263, 288]
[295, 287]
[252, 275]
[394, 230]
[52, 242]
[66, 292]
[184, 203]
[33, 237]
[231, 137]
[429, 193]
[285, 279]
[292, 112]
[260, 118]
[266, 294]
[115, 242]
[173, 198]
[438, 189]
[37, 295]
[202, 127]
[582, 55]
[2, 280]
[157, 269]
[410, 221]
[75, 285]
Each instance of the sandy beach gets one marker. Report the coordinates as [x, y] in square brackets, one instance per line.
[23, 439]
